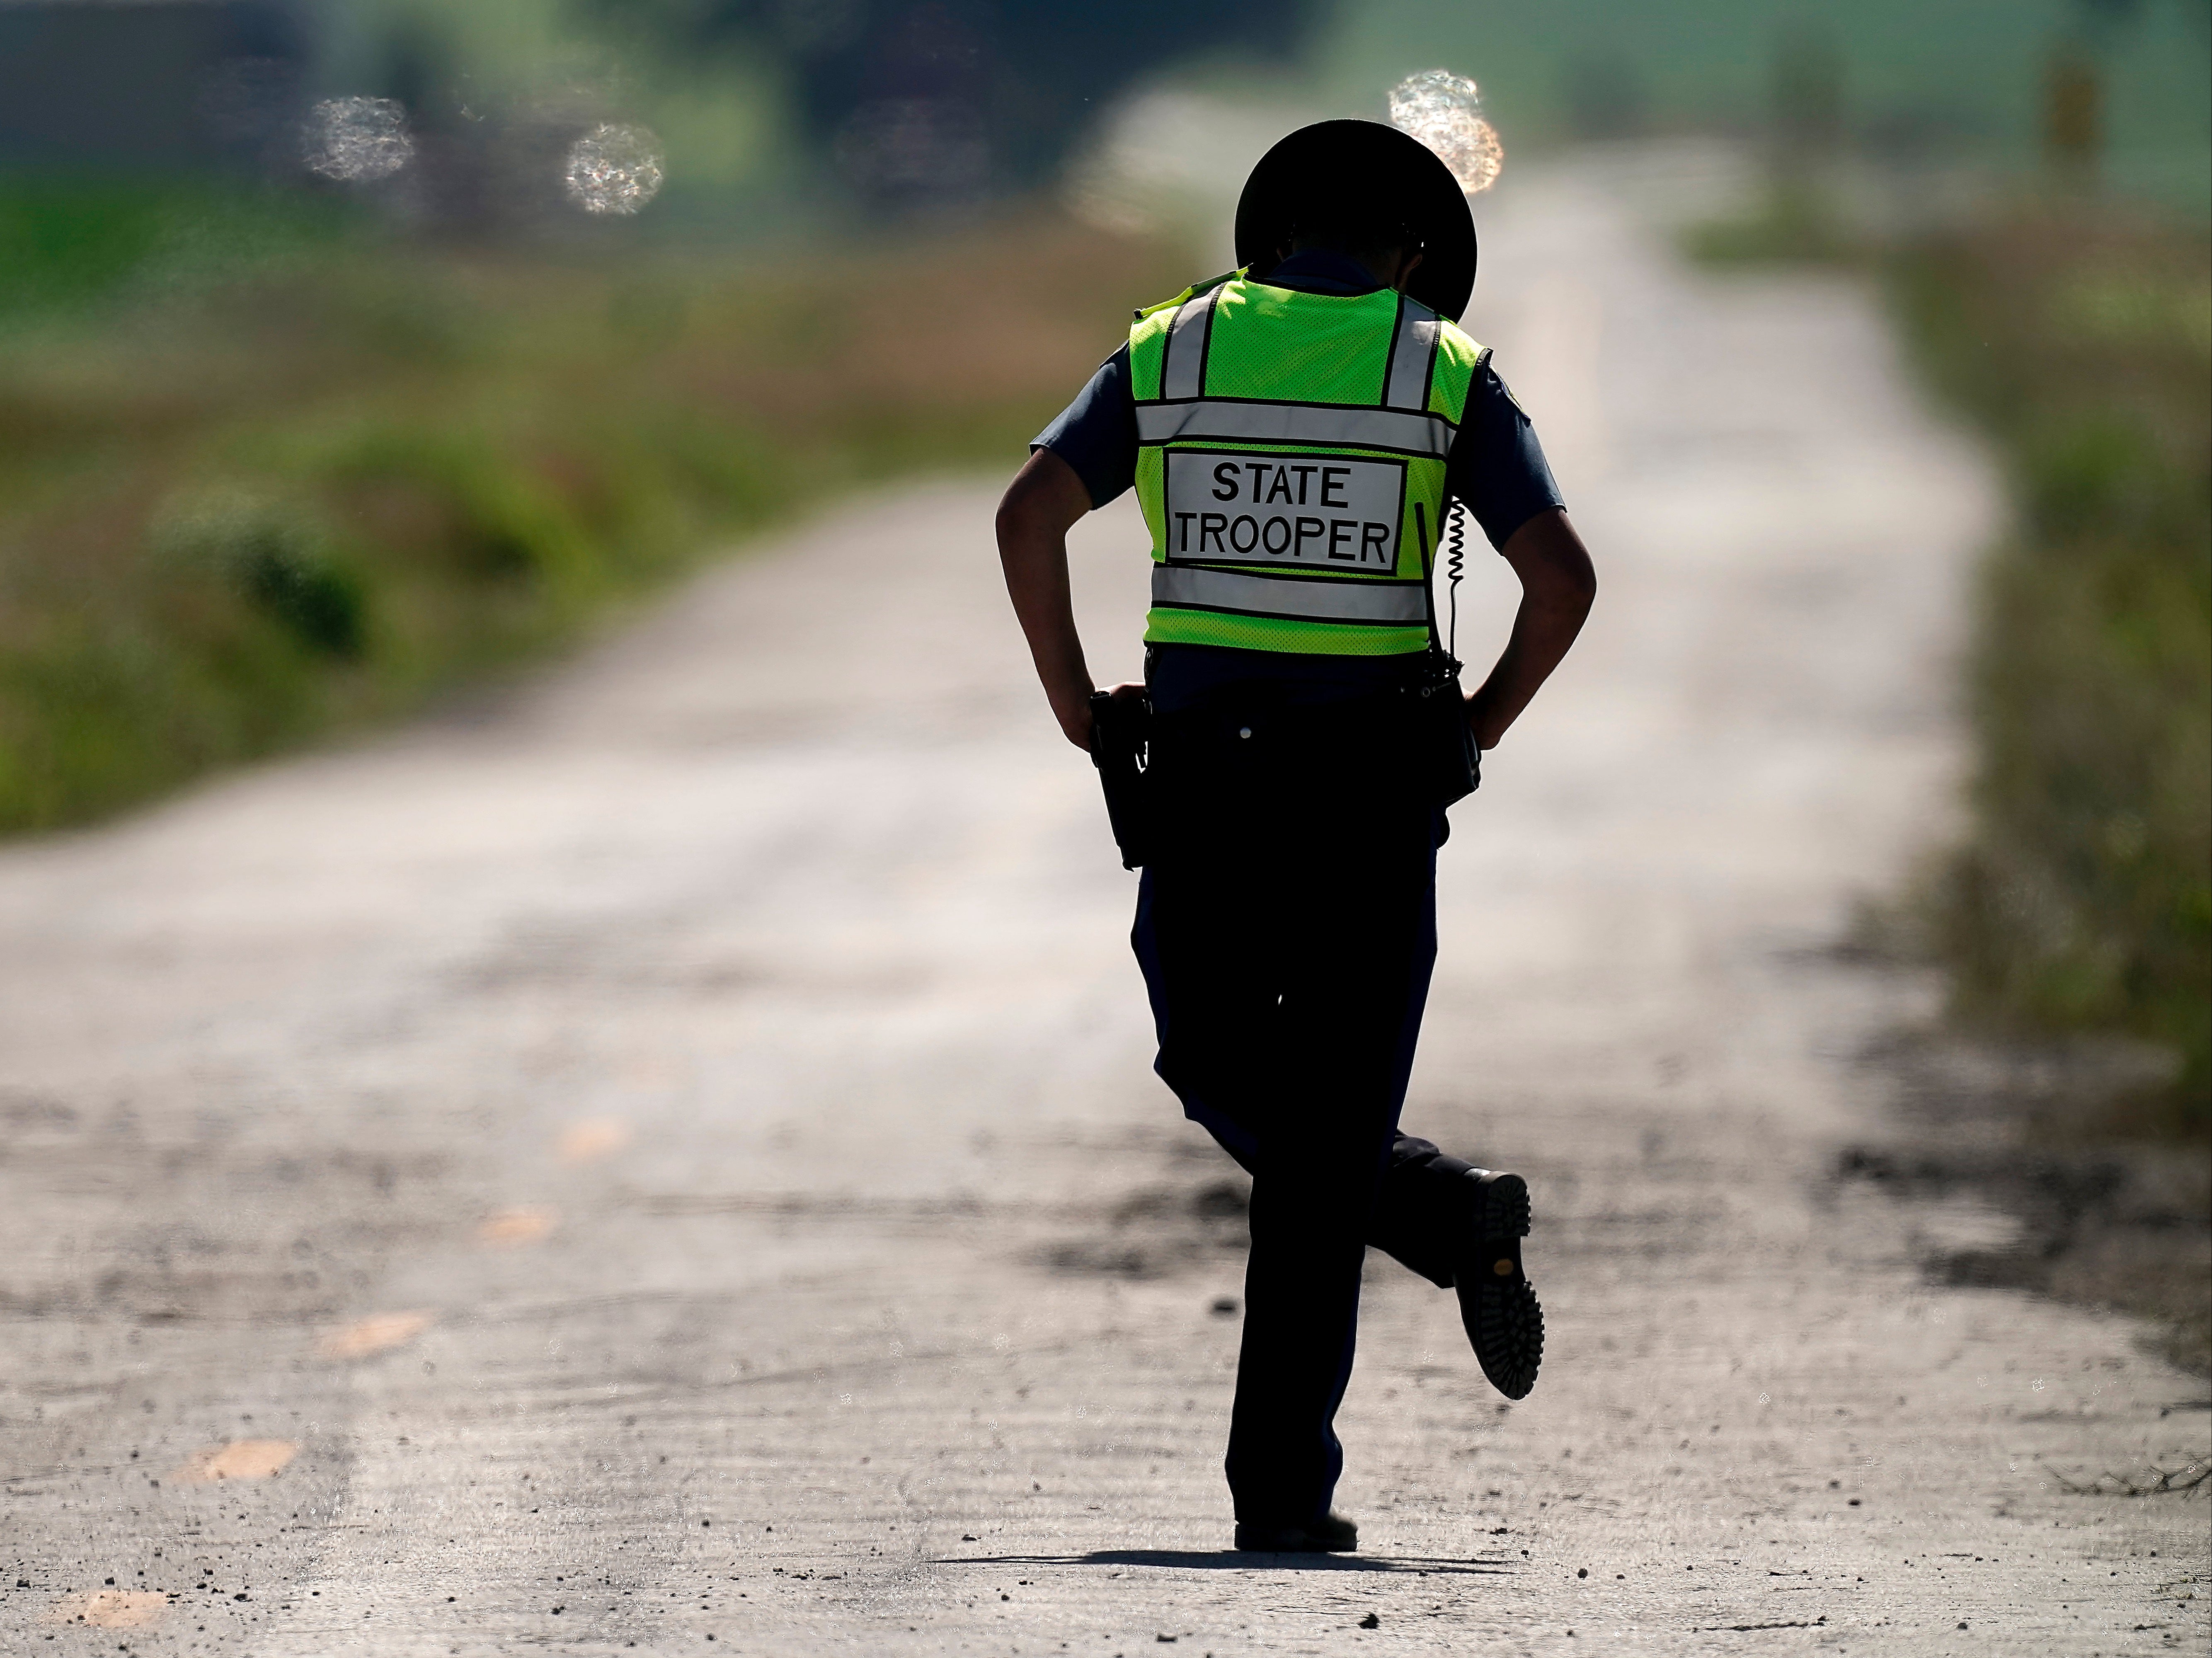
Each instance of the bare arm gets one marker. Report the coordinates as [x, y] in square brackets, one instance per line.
[1043, 501]
[1558, 586]
[1045, 498]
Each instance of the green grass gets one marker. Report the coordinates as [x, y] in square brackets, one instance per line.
[302, 481]
[2082, 901]
[71, 246]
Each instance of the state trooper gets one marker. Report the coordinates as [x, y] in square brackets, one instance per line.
[1294, 431]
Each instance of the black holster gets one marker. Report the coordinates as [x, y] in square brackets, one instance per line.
[1451, 763]
[1121, 729]
[1416, 739]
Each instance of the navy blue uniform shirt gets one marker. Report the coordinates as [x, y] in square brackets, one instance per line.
[1496, 467]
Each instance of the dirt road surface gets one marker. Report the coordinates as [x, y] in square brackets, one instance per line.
[666, 1160]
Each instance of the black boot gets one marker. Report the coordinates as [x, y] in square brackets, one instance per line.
[1500, 1311]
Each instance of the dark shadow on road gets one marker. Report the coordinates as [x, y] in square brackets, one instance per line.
[1238, 1560]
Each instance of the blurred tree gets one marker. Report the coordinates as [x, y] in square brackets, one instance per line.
[1605, 95]
[921, 102]
[1808, 96]
[2073, 94]
[2072, 114]
[138, 86]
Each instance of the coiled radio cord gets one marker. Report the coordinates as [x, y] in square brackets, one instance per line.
[1455, 569]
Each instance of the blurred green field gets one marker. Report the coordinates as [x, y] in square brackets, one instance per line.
[2082, 902]
[266, 473]
[1915, 83]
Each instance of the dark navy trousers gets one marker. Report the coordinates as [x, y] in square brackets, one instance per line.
[1287, 929]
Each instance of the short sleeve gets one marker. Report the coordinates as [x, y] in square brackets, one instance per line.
[1496, 465]
[1096, 435]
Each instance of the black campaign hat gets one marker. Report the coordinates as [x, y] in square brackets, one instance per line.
[1388, 172]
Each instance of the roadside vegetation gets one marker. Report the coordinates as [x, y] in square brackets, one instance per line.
[2074, 920]
[2082, 903]
[267, 472]
[2079, 339]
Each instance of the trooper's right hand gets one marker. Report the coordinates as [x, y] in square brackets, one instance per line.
[1075, 720]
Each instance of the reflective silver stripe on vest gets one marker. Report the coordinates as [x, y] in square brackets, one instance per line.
[1183, 363]
[1327, 425]
[1401, 604]
[1412, 353]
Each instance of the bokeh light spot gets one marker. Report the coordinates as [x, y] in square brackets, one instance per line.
[615, 168]
[359, 140]
[1445, 111]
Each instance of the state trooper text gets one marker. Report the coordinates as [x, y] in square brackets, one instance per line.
[1282, 509]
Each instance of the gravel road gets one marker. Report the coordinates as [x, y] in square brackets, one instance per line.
[665, 1158]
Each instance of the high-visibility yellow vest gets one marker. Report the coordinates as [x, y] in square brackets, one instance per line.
[1291, 464]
